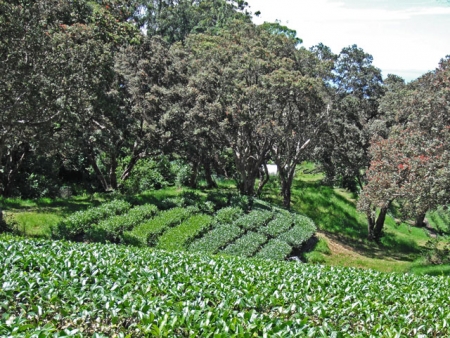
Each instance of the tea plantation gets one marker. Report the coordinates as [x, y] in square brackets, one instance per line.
[59, 288]
[265, 231]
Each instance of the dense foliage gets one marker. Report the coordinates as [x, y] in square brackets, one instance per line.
[125, 96]
[411, 164]
[79, 289]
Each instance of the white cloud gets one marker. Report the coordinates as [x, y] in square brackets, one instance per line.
[407, 39]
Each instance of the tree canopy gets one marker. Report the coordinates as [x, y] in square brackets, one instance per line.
[100, 88]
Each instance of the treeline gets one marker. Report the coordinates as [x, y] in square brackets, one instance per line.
[109, 94]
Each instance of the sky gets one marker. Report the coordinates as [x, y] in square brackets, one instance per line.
[405, 37]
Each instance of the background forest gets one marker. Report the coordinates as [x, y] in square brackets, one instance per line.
[127, 96]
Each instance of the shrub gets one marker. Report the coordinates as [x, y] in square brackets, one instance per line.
[219, 199]
[274, 249]
[282, 223]
[435, 254]
[56, 288]
[187, 198]
[241, 201]
[254, 220]
[206, 207]
[111, 229]
[74, 226]
[296, 236]
[179, 237]
[183, 174]
[246, 245]
[228, 214]
[147, 174]
[148, 233]
[216, 238]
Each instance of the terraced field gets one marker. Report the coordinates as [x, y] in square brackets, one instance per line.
[264, 232]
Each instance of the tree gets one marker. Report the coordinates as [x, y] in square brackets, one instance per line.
[298, 115]
[151, 77]
[228, 99]
[249, 88]
[56, 90]
[29, 83]
[97, 122]
[174, 20]
[277, 28]
[358, 88]
[411, 165]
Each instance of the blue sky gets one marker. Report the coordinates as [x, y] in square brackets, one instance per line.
[405, 37]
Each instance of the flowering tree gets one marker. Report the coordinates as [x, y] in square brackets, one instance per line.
[411, 165]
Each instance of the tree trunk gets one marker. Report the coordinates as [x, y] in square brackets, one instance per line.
[112, 172]
[286, 178]
[208, 175]
[247, 186]
[194, 175]
[375, 227]
[286, 192]
[419, 222]
[98, 172]
[263, 179]
[13, 164]
[126, 173]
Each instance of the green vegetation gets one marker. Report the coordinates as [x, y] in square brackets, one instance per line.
[440, 220]
[147, 292]
[102, 126]
[148, 232]
[255, 219]
[112, 228]
[217, 238]
[179, 237]
[278, 225]
[228, 214]
[246, 245]
[275, 249]
[80, 222]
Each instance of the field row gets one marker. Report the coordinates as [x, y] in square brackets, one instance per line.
[265, 232]
[262, 233]
[63, 288]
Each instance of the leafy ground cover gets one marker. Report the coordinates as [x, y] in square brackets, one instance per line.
[65, 288]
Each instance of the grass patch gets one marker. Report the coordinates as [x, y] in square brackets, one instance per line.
[314, 257]
[334, 212]
[322, 247]
[34, 224]
[422, 267]
[331, 209]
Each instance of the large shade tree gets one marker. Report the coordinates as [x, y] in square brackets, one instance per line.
[28, 85]
[152, 79]
[298, 117]
[411, 165]
[358, 87]
[247, 85]
[57, 78]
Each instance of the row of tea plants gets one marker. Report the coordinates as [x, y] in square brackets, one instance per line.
[59, 288]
